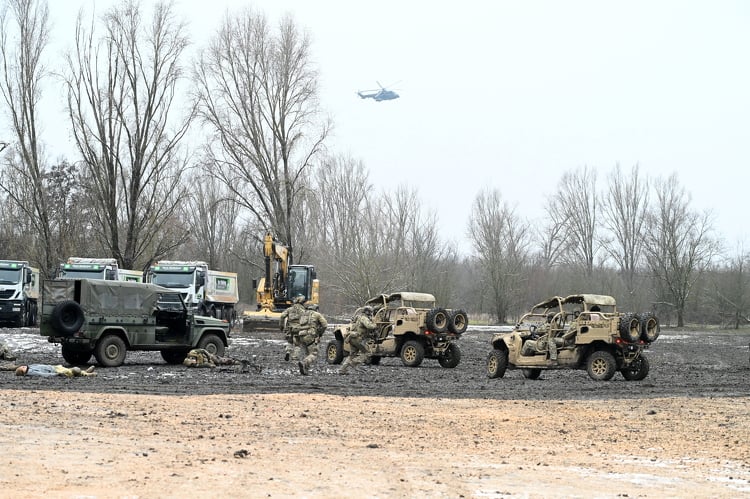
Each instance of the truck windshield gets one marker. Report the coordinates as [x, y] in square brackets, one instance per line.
[173, 279]
[81, 274]
[10, 276]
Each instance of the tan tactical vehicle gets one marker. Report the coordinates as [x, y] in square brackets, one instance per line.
[588, 333]
[108, 318]
[410, 326]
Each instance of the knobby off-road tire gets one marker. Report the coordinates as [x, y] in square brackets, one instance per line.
[75, 356]
[67, 317]
[532, 373]
[458, 322]
[649, 327]
[335, 352]
[601, 365]
[436, 320]
[637, 370]
[630, 327]
[212, 344]
[110, 351]
[497, 363]
[174, 356]
[412, 353]
[451, 357]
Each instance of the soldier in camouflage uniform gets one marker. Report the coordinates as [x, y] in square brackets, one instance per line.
[200, 357]
[361, 329]
[312, 327]
[289, 324]
[5, 353]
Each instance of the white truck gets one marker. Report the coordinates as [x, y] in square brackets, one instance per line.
[19, 293]
[97, 268]
[210, 292]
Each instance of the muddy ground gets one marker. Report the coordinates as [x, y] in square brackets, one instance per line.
[149, 429]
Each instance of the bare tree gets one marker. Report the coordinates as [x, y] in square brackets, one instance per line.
[501, 240]
[122, 89]
[257, 92]
[680, 246]
[24, 34]
[732, 290]
[625, 208]
[573, 210]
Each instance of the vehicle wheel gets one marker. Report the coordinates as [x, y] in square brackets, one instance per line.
[601, 365]
[374, 360]
[497, 363]
[75, 356]
[649, 327]
[630, 327]
[436, 320]
[212, 344]
[458, 322]
[173, 356]
[451, 357]
[110, 351]
[33, 318]
[335, 352]
[532, 373]
[22, 318]
[202, 310]
[67, 317]
[637, 370]
[412, 353]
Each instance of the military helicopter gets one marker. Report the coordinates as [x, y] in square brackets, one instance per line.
[379, 94]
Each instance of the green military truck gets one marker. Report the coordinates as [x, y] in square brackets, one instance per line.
[107, 318]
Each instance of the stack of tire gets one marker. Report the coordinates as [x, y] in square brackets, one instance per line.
[440, 320]
[635, 327]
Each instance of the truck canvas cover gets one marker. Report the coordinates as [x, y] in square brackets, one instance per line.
[101, 296]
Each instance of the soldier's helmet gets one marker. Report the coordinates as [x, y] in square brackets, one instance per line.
[299, 299]
[367, 310]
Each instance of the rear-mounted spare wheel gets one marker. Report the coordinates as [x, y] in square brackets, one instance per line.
[67, 317]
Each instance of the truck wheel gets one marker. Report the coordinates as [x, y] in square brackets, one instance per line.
[412, 353]
[637, 370]
[33, 318]
[436, 320]
[335, 352]
[21, 322]
[532, 373]
[212, 344]
[75, 356]
[630, 327]
[67, 317]
[451, 357]
[649, 327]
[173, 356]
[497, 363]
[110, 351]
[601, 365]
[458, 322]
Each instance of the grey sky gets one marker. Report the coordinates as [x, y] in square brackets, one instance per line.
[512, 94]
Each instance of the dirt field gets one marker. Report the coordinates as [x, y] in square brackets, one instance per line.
[148, 429]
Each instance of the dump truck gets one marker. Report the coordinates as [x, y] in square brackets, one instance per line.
[208, 292]
[19, 293]
[281, 283]
[105, 269]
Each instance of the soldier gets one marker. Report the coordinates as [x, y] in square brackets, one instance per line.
[313, 325]
[47, 371]
[289, 324]
[361, 328]
[5, 353]
[200, 357]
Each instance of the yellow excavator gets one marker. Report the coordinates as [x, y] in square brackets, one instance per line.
[281, 283]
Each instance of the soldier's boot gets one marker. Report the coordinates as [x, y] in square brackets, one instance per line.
[90, 369]
[303, 369]
[344, 369]
[286, 356]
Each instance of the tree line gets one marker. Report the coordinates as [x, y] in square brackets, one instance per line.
[185, 155]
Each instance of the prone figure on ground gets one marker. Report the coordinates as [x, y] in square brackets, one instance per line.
[49, 371]
[200, 357]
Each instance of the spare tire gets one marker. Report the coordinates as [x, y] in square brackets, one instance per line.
[67, 317]
[436, 320]
[649, 327]
[458, 322]
[630, 327]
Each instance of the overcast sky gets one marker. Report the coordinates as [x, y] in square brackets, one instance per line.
[512, 94]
